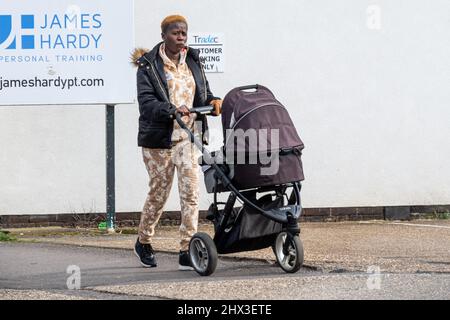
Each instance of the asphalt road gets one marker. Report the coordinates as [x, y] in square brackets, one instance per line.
[39, 271]
[43, 266]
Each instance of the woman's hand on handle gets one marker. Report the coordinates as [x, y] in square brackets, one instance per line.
[183, 110]
[217, 104]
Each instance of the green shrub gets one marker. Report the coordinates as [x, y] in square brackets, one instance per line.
[5, 236]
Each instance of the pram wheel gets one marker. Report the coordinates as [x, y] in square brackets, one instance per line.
[289, 252]
[203, 254]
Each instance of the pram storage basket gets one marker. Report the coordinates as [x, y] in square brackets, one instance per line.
[248, 230]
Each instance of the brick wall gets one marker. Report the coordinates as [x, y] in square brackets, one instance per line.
[131, 219]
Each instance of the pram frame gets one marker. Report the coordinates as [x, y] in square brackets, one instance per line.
[286, 215]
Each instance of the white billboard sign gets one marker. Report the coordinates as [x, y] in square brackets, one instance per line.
[66, 52]
[211, 46]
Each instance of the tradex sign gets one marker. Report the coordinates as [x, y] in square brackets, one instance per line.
[66, 52]
[211, 48]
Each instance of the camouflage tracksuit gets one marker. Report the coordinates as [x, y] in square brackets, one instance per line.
[161, 163]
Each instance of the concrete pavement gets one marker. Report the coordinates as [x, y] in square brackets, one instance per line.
[414, 246]
[411, 260]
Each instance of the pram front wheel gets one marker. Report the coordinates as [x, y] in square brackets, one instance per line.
[289, 252]
[203, 254]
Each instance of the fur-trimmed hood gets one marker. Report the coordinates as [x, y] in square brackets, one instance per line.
[136, 54]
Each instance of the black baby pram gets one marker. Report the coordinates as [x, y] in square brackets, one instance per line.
[260, 165]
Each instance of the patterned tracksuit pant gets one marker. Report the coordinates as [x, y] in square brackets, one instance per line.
[161, 164]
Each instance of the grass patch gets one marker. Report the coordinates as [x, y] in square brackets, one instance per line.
[5, 236]
[442, 215]
[127, 231]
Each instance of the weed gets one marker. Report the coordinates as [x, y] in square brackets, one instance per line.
[5, 236]
[442, 215]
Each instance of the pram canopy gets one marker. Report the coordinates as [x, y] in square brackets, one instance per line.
[257, 109]
[256, 124]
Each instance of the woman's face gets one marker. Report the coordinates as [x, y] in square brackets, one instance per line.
[175, 37]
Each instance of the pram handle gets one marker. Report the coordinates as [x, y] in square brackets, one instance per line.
[197, 110]
[202, 110]
[249, 87]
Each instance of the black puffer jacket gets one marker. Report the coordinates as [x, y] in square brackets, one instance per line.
[155, 122]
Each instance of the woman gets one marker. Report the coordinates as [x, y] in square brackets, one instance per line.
[170, 79]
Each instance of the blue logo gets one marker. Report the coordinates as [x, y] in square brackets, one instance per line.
[206, 40]
[26, 23]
